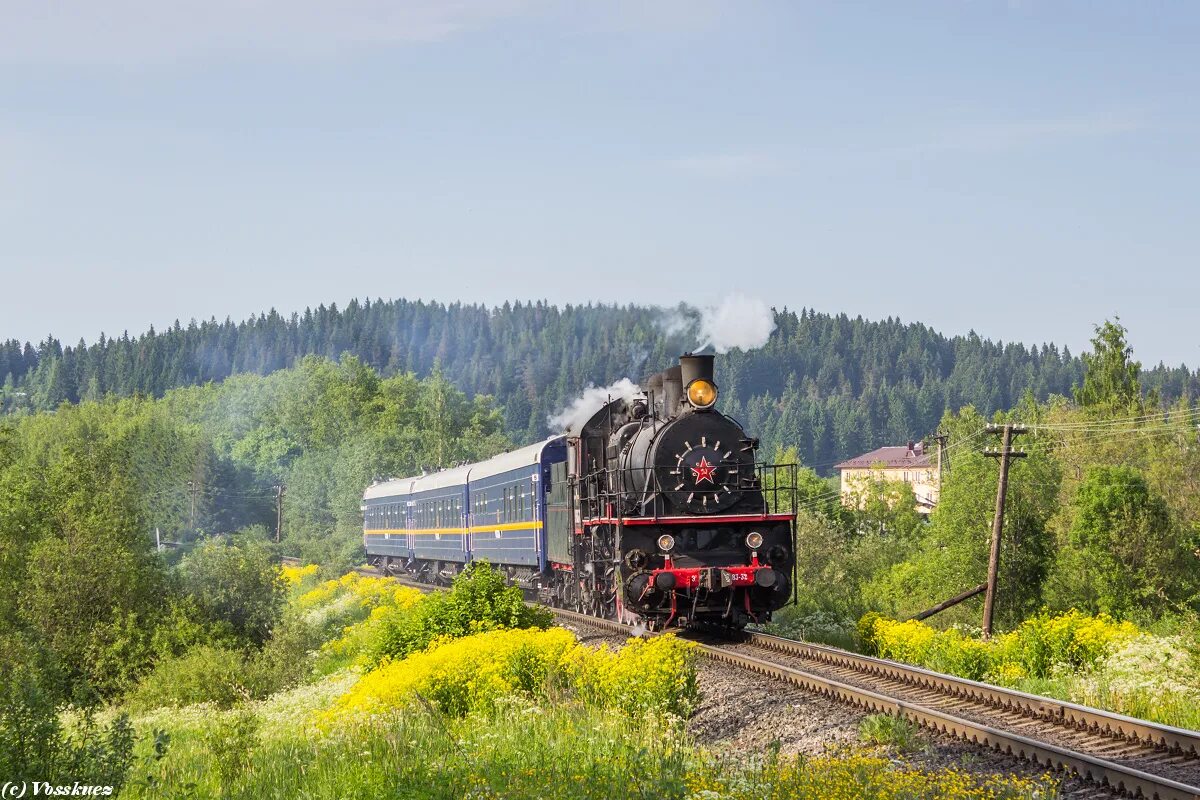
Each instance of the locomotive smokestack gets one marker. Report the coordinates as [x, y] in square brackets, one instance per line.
[654, 388]
[696, 367]
[672, 391]
[699, 389]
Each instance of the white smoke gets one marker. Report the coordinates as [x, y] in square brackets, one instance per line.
[592, 400]
[738, 321]
[678, 321]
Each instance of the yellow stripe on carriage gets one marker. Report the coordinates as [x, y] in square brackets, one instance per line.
[506, 526]
[422, 532]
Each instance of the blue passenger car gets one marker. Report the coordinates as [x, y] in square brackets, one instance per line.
[385, 520]
[437, 516]
[508, 504]
[495, 510]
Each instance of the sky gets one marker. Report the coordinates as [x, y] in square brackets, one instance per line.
[1022, 169]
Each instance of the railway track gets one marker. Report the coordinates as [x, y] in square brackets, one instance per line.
[1130, 756]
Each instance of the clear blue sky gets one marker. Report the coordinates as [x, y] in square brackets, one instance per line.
[1023, 169]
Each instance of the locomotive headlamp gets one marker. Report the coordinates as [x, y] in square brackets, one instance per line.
[754, 540]
[702, 393]
[666, 542]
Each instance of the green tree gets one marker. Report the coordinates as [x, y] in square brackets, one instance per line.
[238, 587]
[1110, 378]
[1123, 553]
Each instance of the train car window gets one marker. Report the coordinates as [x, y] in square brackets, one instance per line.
[520, 502]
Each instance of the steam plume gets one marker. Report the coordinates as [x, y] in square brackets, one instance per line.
[592, 400]
[738, 321]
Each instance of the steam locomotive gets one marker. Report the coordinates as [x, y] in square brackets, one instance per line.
[651, 510]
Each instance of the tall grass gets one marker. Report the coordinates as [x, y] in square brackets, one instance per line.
[523, 751]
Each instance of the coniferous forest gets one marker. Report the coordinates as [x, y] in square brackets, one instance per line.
[830, 385]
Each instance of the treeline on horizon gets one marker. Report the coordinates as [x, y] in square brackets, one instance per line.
[830, 386]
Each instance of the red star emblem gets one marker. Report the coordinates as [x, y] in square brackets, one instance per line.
[703, 471]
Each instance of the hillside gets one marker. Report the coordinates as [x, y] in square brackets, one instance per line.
[832, 385]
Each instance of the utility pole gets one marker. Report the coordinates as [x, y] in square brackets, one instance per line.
[192, 515]
[1005, 454]
[941, 464]
[279, 490]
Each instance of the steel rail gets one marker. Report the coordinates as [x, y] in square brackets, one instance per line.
[1061, 712]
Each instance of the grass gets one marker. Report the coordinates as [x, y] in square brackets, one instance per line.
[523, 751]
[890, 731]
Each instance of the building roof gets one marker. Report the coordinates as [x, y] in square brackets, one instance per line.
[909, 455]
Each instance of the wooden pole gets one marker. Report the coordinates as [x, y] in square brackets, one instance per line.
[953, 601]
[278, 513]
[1005, 454]
[192, 515]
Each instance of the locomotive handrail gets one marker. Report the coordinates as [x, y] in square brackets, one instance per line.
[603, 495]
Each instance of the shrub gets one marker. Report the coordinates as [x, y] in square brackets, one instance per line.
[240, 586]
[204, 674]
[35, 746]
[287, 658]
[357, 641]
[480, 600]
[1073, 640]
[472, 673]
[232, 744]
[463, 675]
[297, 577]
[183, 627]
[866, 631]
[646, 675]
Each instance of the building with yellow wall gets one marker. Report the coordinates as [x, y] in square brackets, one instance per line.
[906, 463]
